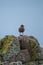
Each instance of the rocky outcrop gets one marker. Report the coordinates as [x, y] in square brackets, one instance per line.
[23, 48]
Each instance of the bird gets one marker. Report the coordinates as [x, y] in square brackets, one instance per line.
[21, 29]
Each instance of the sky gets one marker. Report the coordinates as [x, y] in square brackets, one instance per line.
[13, 13]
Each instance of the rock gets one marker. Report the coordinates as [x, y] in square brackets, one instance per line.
[23, 56]
[14, 49]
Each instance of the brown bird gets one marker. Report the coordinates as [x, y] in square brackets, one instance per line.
[21, 29]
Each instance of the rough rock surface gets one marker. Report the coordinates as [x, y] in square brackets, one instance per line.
[14, 49]
[23, 48]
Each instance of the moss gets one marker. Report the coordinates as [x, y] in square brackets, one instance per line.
[5, 42]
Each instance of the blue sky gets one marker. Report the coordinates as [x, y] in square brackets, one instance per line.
[13, 13]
